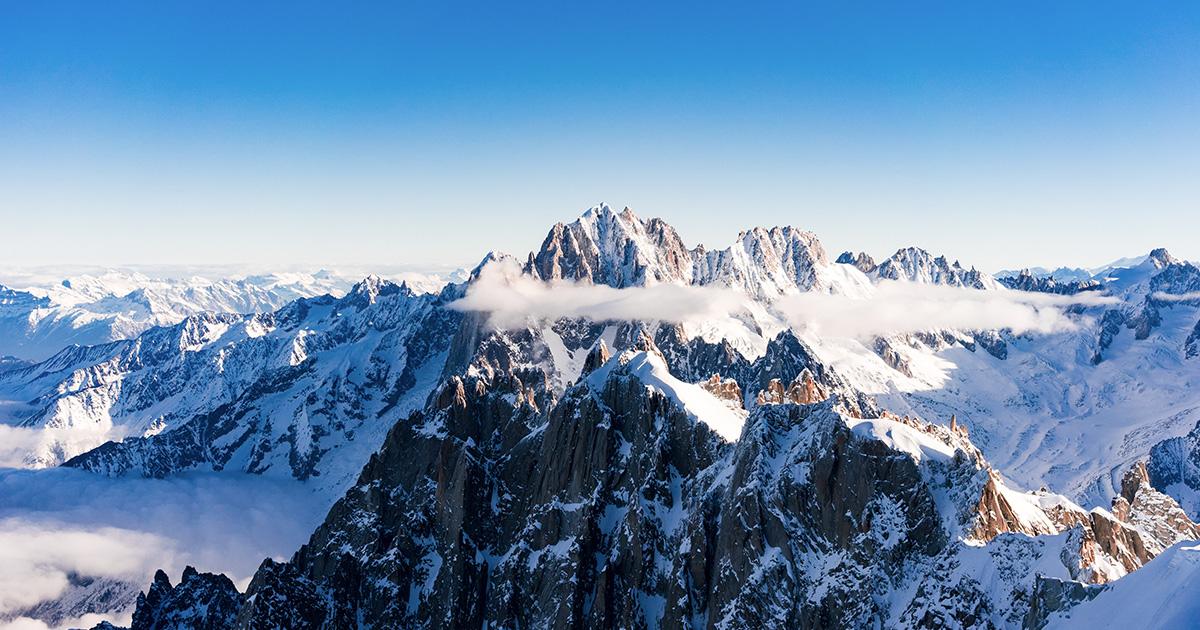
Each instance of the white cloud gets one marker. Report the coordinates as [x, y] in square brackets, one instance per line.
[512, 300]
[1176, 297]
[36, 558]
[85, 621]
[21, 446]
[60, 520]
[905, 307]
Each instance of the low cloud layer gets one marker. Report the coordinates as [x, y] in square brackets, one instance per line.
[906, 307]
[1176, 297]
[21, 446]
[513, 300]
[36, 558]
[61, 521]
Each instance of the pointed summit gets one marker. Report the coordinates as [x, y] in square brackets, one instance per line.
[371, 288]
[862, 261]
[597, 356]
[1161, 258]
[616, 249]
[914, 264]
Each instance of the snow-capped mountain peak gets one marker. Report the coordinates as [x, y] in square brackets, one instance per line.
[914, 264]
[614, 248]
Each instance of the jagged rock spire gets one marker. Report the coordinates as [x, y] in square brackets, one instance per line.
[597, 356]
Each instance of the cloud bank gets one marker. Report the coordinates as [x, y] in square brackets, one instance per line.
[60, 521]
[21, 446]
[907, 307]
[36, 558]
[1175, 297]
[513, 300]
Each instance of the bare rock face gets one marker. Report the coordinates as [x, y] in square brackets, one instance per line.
[201, 600]
[614, 248]
[862, 261]
[620, 249]
[1191, 346]
[996, 515]
[596, 357]
[766, 263]
[1051, 595]
[804, 390]
[724, 389]
[887, 350]
[1154, 513]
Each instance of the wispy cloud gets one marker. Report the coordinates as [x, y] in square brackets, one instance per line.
[905, 307]
[59, 521]
[37, 558]
[1175, 297]
[514, 300]
[21, 446]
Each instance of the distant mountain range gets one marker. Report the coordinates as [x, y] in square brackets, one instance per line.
[1075, 273]
[40, 319]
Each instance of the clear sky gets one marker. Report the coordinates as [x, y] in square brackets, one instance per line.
[1002, 134]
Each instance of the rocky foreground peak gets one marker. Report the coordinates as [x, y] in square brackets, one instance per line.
[505, 504]
[604, 474]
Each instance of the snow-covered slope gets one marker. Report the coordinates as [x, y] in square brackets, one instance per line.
[1163, 595]
[276, 392]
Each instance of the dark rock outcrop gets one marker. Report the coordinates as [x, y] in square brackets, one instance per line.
[201, 601]
[1026, 281]
[862, 261]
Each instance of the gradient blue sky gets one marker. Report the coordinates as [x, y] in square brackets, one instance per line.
[1003, 134]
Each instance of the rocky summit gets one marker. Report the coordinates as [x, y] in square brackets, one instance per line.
[618, 505]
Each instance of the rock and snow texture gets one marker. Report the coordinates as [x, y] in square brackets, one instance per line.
[1164, 595]
[650, 367]
[613, 505]
[917, 265]
[620, 249]
[274, 392]
[648, 473]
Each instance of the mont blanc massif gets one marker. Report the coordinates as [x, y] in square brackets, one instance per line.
[615, 431]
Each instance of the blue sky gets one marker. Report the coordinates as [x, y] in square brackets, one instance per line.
[289, 133]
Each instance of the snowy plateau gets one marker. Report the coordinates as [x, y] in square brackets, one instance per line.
[614, 431]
